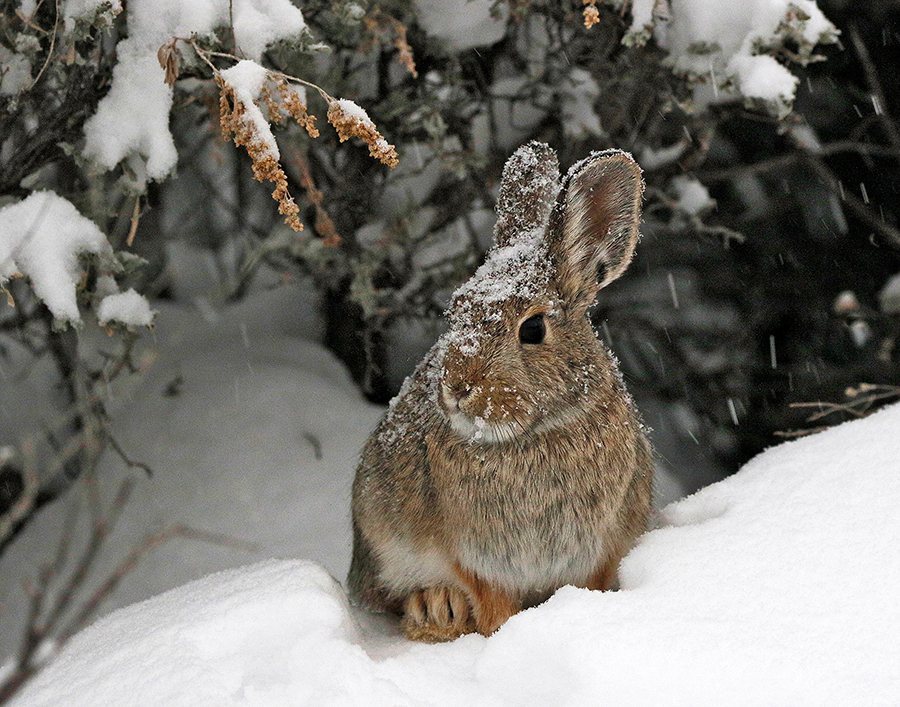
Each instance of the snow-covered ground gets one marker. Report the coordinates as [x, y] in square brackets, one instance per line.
[251, 429]
[774, 587]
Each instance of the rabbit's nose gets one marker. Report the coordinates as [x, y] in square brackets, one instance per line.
[462, 393]
[454, 395]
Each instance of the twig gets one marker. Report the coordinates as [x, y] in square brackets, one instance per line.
[769, 165]
[862, 399]
[117, 448]
[795, 434]
[48, 625]
[38, 628]
[889, 232]
[102, 528]
[813, 158]
[776, 163]
[29, 20]
[323, 224]
[724, 232]
[874, 84]
[234, 45]
[826, 409]
[135, 218]
[115, 364]
[49, 51]
[23, 505]
[130, 562]
[205, 54]
[864, 148]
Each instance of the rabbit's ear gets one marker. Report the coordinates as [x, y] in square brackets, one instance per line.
[528, 190]
[595, 225]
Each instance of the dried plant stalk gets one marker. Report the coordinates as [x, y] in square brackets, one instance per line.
[350, 120]
[237, 126]
[324, 225]
[379, 24]
[295, 106]
[242, 119]
[406, 55]
[591, 13]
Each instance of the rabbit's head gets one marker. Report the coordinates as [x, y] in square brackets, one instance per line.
[520, 355]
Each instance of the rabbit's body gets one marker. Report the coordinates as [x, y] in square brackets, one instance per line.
[510, 464]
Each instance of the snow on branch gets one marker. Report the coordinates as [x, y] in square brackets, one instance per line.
[730, 49]
[350, 120]
[133, 119]
[251, 96]
[41, 238]
[128, 308]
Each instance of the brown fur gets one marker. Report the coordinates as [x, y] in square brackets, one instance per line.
[505, 470]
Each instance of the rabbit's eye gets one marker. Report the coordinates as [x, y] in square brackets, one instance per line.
[532, 330]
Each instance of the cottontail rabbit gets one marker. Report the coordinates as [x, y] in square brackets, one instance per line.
[513, 461]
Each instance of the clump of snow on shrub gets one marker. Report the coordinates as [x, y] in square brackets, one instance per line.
[128, 308]
[133, 118]
[652, 158]
[724, 45]
[74, 10]
[16, 73]
[693, 197]
[463, 24]
[889, 296]
[763, 77]
[246, 79]
[577, 103]
[41, 238]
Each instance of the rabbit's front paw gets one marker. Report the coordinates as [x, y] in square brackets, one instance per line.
[437, 614]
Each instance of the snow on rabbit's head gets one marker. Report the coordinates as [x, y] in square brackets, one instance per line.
[520, 355]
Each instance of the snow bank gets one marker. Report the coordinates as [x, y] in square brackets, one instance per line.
[774, 587]
[251, 430]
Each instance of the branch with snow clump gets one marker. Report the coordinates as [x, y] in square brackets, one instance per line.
[128, 308]
[246, 88]
[729, 49]
[41, 238]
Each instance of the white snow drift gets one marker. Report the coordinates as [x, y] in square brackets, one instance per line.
[777, 586]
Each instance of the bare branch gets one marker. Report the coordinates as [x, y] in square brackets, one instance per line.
[50, 50]
[888, 232]
[861, 402]
[24, 504]
[117, 448]
[130, 562]
[43, 626]
[135, 218]
[874, 85]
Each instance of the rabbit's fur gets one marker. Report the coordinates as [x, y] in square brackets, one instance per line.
[504, 469]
